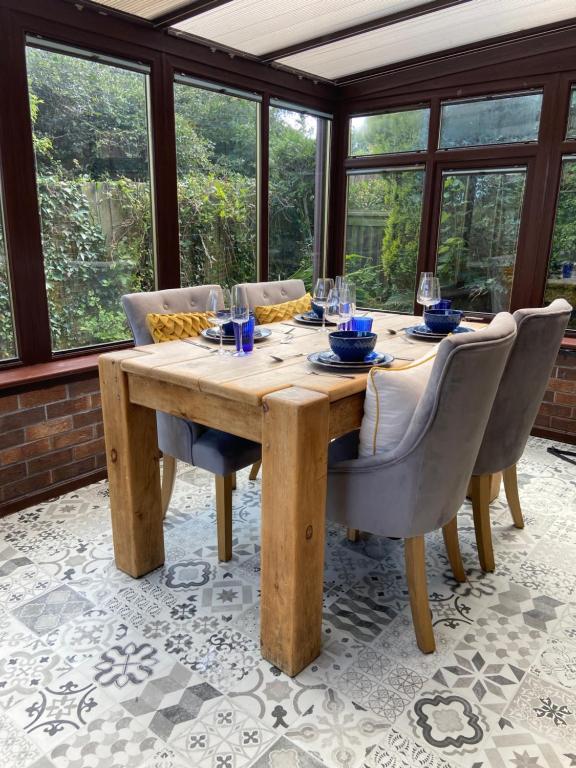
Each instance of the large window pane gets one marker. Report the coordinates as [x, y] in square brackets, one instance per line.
[404, 131]
[499, 120]
[7, 338]
[382, 235]
[478, 237]
[91, 140]
[571, 132]
[216, 137]
[296, 195]
[562, 267]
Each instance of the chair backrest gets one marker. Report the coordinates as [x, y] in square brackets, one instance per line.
[540, 333]
[419, 485]
[138, 305]
[274, 292]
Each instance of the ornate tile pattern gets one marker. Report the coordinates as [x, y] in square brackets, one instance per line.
[99, 670]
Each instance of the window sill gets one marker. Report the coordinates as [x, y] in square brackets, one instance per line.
[72, 367]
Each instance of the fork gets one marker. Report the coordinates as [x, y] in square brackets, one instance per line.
[202, 346]
[278, 359]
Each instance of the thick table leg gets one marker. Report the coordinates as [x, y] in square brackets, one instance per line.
[295, 435]
[133, 473]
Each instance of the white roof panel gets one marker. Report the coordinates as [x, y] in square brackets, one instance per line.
[260, 26]
[449, 28]
[147, 9]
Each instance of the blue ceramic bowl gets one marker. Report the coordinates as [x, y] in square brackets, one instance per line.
[442, 320]
[352, 346]
[228, 328]
[317, 309]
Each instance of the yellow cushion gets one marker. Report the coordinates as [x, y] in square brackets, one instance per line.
[179, 325]
[273, 313]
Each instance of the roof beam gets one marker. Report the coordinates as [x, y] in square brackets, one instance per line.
[187, 11]
[367, 26]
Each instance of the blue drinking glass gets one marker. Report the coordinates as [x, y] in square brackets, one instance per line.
[245, 337]
[442, 304]
[567, 269]
[361, 323]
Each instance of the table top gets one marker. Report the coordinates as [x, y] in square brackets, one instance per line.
[249, 379]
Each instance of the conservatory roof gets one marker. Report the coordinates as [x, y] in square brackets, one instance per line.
[340, 40]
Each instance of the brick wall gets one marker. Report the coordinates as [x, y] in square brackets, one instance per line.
[49, 436]
[557, 417]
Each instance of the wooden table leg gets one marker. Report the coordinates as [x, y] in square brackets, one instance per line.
[295, 436]
[133, 462]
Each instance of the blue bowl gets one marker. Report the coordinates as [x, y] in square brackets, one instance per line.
[317, 309]
[228, 328]
[442, 320]
[352, 346]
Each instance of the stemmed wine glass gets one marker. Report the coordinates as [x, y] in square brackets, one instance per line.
[332, 308]
[218, 305]
[428, 289]
[347, 302]
[323, 287]
[239, 312]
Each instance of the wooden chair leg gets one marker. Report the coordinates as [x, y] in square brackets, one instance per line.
[414, 553]
[169, 464]
[480, 487]
[255, 469]
[233, 476]
[224, 516]
[352, 534]
[450, 533]
[511, 489]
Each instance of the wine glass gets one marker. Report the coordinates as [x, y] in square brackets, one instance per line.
[340, 281]
[218, 305]
[347, 302]
[332, 308]
[428, 289]
[239, 312]
[323, 287]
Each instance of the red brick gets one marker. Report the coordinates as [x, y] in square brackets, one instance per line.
[46, 428]
[89, 417]
[85, 387]
[24, 452]
[73, 438]
[566, 374]
[27, 486]
[77, 469]
[50, 461]
[12, 473]
[548, 396]
[552, 409]
[565, 425]
[68, 407]
[562, 385]
[42, 396]
[89, 449]
[542, 421]
[8, 403]
[8, 439]
[96, 400]
[101, 460]
[565, 397]
[21, 418]
[566, 357]
[99, 429]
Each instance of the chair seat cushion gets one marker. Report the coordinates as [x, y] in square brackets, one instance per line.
[222, 453]
[177, 325]
[391, 399]
[273, 313]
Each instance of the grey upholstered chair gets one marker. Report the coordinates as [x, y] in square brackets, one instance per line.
[419, 486]
[264, 294]
[539, 335]
[210, 449]
[274, 292]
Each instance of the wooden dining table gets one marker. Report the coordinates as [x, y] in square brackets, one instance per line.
[291, 411]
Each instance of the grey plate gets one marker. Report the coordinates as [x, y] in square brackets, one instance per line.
[211, 334]
[306, 320]
[323, 360]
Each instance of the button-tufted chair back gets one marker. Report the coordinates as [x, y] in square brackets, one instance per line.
[274, 292]
[138, 305]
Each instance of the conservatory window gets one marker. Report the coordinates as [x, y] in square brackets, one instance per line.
[394, 131]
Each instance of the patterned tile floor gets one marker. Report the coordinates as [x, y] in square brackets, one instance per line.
[98, 670]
